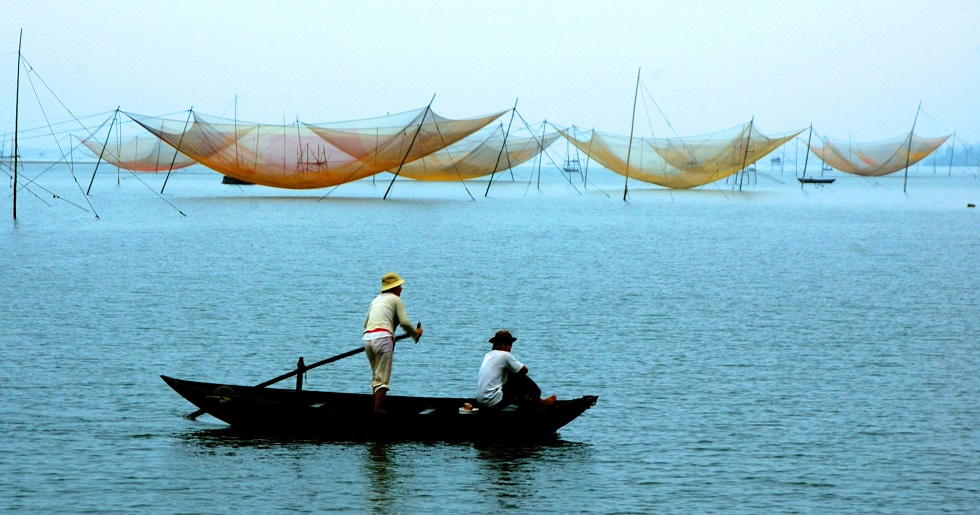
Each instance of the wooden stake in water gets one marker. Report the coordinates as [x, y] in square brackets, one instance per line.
[807, 160]
[745, 157]
[17, 119]
[410, 145]
[629, 147]
[502, 147]
[952, 152]
[101, 152]
[908, 153]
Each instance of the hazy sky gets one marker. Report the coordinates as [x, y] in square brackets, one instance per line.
[853, 68]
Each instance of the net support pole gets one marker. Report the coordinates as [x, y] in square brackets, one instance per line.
[908, 153]
[17, 118]
[542, 154]
[502, 147]
[410, 145]
[629, 148]
[101, 152]
[588, 157]
[952, 152]
[807, 159]
[745, 156]
[177, 150]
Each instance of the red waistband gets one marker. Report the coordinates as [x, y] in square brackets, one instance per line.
[379, 330]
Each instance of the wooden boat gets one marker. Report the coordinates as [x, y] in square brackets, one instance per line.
[333, 415]
[227, 179]
[815, 180]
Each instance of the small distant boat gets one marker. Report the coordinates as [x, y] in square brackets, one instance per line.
[332, 415]
[227, 179]
[815, 180]
[572, 167]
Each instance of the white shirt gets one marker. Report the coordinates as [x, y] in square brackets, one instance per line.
[497, 366]
[387, 310]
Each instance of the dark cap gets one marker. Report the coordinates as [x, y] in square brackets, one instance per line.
[502, 338]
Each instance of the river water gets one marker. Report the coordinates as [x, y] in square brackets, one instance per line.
[770, 349]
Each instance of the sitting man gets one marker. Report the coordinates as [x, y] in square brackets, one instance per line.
[503, 380]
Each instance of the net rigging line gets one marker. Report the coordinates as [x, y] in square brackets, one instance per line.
[69, 111]
[71, 167]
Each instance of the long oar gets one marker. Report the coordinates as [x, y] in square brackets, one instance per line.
[287, 375]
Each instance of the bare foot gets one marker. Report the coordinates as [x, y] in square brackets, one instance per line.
[549, 401]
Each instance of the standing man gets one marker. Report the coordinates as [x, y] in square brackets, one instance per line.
[386, 312]
[503, 379]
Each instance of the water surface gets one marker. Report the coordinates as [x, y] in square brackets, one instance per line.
[770, 349]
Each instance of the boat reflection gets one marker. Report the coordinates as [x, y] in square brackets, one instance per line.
[388, 475]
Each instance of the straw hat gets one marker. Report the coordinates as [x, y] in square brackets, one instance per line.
[502, 338]
[391, 280]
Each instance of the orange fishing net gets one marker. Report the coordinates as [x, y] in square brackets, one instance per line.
[305, 156]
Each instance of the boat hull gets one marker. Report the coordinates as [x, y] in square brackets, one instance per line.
[332, 415]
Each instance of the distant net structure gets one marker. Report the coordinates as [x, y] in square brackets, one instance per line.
[875, 159]
[139, 153]
[305, 155]
[479, 155]
[679, 162]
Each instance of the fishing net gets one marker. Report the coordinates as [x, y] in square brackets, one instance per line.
[680, 162]
[306, 156]
[876, 158]
[479, 155]
[146, 153]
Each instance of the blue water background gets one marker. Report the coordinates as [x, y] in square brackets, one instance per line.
[770, 349]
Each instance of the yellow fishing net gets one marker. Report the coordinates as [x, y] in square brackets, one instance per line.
[876, 158]
[680, 162]
[479, 155]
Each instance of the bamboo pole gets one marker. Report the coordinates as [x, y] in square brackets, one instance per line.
[908, 154]
[410, 145]
[17, 118]
[629, 147]
[179, 142]
[745, 156]
[502, 147]
[807, 159]
[952, 152]
[101, 152]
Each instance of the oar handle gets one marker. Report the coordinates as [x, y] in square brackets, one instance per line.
[297, 371]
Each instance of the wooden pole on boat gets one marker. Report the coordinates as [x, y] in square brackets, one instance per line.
[807, 159]
[410, 145]
[177, 150]
[908, 153]
[301, 370]
[17, 118]
[629, 148]
[502, 147]
[101, 152]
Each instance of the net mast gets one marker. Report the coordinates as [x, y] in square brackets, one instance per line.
[20, 43]
[908, 154]
[629, 147]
